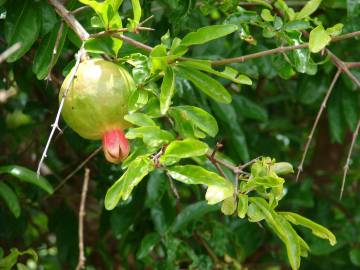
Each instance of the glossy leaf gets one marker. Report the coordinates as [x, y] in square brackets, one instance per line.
[10, 199]
[243, 204]
[192, 212]
[318, 230]
[44, 53]
[228, 206]
[136, 10]
[205, 83]
[267, 16]
[22, 24]
[335, 30]
[283, 229]
[250, 109]
[167, 90]
[139, 119]
[218, 187]
[186, 148]
[197, 117]
[310, 7]
[208, 33]
[147, 245]
[10, 260]
[318, 39]
[281, 168]
[152, 136]
[123, 187]
[229, 73]
[158, 59]
[27, 176]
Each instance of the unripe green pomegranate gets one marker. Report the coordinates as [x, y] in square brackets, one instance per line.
[96, 104]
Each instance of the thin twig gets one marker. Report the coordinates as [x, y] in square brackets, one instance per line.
[342, 65]
[146, 20]
[83, 34]
[80, 9]
[9, 51]
[55, 50]
[70, 19]
[322, 107]
[346, 167]
[353, 64]
[82, 259]
[55, 125]
[173, 187]
[78, 168]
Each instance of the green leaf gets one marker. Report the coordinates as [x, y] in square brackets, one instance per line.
[218, 187]
[136, 10]
[249, 109]
[22, 24]
[228, 206]
[147, 245]
[190, 213]
[107, 11]
[158, 58]
[138, 99]
[267, 16]
[243, 204]
[264, 181]
[318, 39]
[310, 7]
[167, 90]
[208, 33]
[205, 83]
[229, 73]
[283, 229]
[355, 256]
[318, 230]
[41, 65]
[28, 176]
[123, 187]
[10, 199]
[139, 119]
[282, 168]
[152, 136]
[197, 117]
[335, 30]
[186, 148]
[9, 261]
[297, 25]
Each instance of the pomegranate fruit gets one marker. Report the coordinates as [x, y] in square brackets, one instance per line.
[96, 103]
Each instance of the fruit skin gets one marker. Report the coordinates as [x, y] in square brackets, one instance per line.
[97, 99]
[96, 104]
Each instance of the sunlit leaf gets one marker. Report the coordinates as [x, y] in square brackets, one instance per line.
[122, 188]
[167, 90]
[318, 230]
[310, 7]
[208, 33]
[318, 39]
[186, 148]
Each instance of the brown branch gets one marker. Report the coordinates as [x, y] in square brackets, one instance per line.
[353, 64]
[9, 51]
[83, 34]
[78, 168]
[318, 116]
[81, 262]
[173, 188]
[55, 125]
[342, 65]
[346, 167]
[70, 19]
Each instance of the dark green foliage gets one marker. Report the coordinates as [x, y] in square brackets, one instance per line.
[264, 106]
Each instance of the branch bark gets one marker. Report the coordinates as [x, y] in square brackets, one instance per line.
[9, 51]
[55, 125]
[318, 116]
[81, 262]
[346, 167]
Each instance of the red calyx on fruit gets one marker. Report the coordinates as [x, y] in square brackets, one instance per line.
[115, 145]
